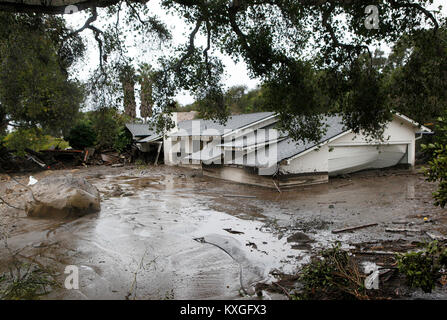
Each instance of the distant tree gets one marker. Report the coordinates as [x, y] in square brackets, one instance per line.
[128, 79]
[309, 55]
[146, 83]
[108, 126]
[237, 100]
[416, 75]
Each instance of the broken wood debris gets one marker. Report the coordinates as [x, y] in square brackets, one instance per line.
[110, 158]
[344, 185]
[386, 253]
[238, 196]
[434, 235]
[277, 188]
[354, 228]
[333, 202]
[396, 230]
[233, 231]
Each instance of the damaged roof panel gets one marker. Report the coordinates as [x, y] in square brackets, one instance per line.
[140, 129]
[234, 122]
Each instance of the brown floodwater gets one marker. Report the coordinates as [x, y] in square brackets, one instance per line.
[171, 233]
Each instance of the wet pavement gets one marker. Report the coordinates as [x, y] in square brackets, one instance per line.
[170, 233]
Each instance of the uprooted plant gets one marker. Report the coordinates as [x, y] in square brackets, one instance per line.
[424, 268]
[25, 280]
[334, 275]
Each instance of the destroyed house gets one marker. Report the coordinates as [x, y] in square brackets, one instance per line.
[248, 149]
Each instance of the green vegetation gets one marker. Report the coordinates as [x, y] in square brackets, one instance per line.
[437, 166]
[335, 275]
[308, 63]
[32, 138]
[38, 98]
[122, 140]
[308, 60]
[422, 268]
[237, 101]
[35, 88]
[81, 136]
[26, 281]
[102, 129]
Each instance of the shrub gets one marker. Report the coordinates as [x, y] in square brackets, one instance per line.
[422, 269]
[26, 281]
[437, 167]
[335, 275]
[81, 136]
[20, 139]
[123, 140]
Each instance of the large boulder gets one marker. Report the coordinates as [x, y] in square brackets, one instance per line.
[63, 196]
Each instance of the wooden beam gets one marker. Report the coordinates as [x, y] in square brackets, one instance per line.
[158, 152]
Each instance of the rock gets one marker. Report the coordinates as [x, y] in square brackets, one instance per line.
[298, 237]
[116, 191]
[63, 196]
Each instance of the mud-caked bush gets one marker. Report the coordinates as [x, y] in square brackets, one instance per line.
[332, 275]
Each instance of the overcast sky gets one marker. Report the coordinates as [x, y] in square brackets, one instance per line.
[236, 73]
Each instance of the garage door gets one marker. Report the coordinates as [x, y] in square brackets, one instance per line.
[347, 159]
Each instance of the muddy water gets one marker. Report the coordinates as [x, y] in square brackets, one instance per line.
[173, 234]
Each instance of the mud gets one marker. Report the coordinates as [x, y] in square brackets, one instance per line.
[143, 244]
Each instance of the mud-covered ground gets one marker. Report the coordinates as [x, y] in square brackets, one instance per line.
[170, 233]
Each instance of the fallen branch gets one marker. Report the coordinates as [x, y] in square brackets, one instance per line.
[279, 190]
[9, 205]
[233, 231]
[344, 185]
[283, 289]
[385, 253]
[333, 202]
[237, 196]
[401, 230]
[436, 236]
[355, 228]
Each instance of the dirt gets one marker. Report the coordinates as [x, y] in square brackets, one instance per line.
[142, 244]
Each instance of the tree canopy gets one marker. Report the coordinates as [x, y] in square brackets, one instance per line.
[313, 56]
[35, 88]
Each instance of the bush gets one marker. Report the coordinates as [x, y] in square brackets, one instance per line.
[108, 124]
[123, 140]
[81, 136]
[422, 269]
[20, 139]
[437, 167]
[26, 281]
[335, 275]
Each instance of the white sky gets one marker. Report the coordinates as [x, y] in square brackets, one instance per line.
[236, 73]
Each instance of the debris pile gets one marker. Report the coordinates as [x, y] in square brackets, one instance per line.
[60, 159]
